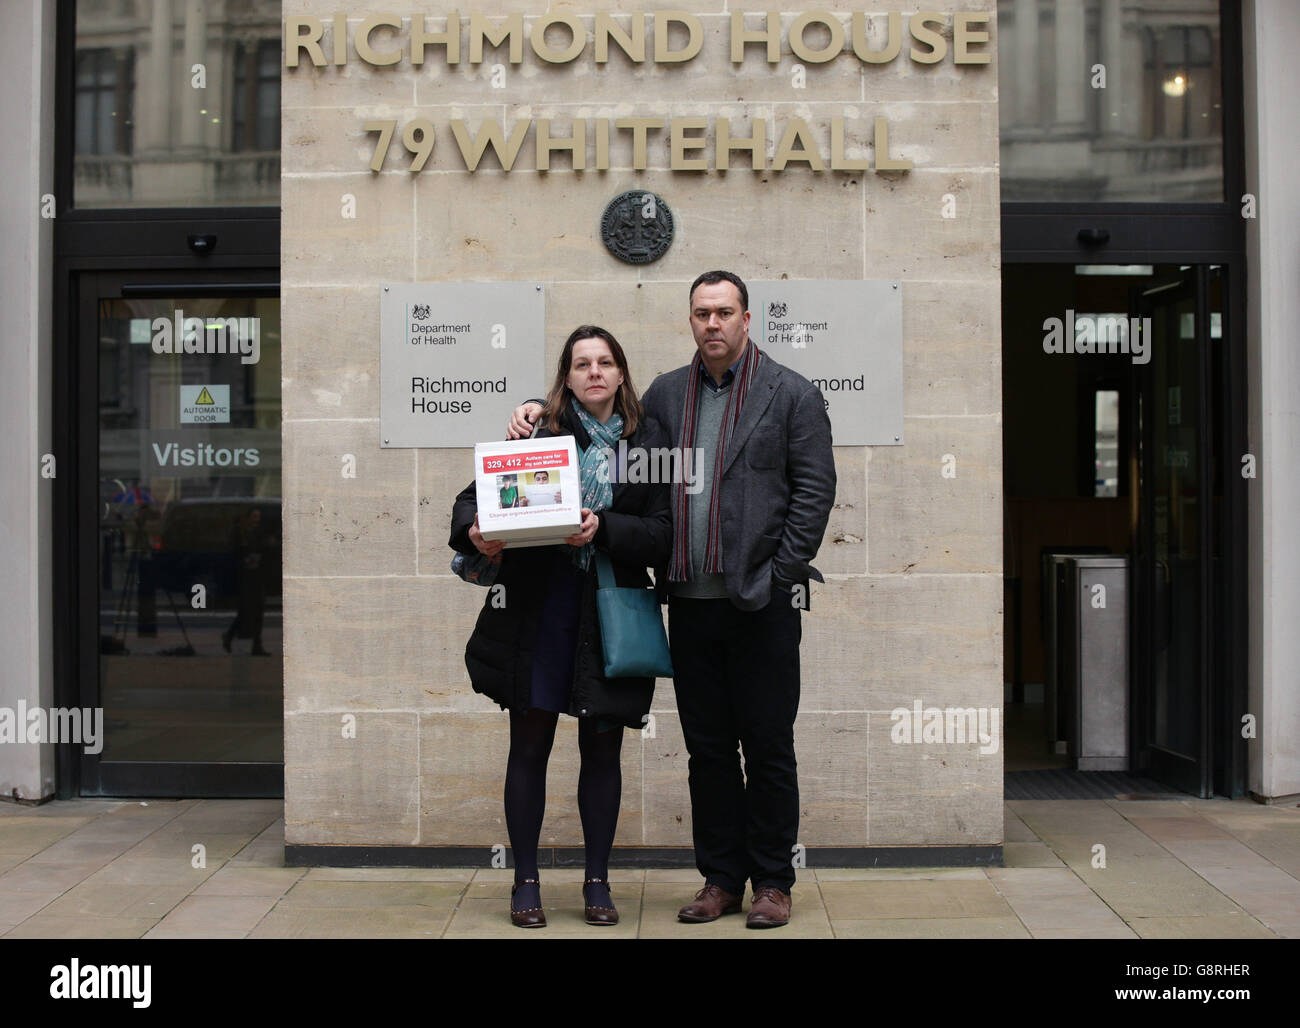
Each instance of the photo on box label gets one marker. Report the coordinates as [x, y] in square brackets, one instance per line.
[540, 490]
[508, 492]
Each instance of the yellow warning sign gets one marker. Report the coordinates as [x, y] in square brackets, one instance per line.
[205, 404]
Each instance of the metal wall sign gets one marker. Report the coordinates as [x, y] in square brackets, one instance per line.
[455, 358]
[847, 338]
[637, 227]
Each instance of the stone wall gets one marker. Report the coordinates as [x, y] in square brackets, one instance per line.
[375, 625]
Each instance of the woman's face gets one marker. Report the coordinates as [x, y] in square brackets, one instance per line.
[594, 376]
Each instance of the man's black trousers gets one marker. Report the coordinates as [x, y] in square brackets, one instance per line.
[736, 676]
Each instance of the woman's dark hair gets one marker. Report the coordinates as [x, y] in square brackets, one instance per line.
[625, 400]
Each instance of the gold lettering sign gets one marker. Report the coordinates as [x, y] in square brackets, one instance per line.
[669, 38]
[411, 36]
[688, 143]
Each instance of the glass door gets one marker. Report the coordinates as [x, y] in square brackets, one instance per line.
[1179, 468]
[182, 522]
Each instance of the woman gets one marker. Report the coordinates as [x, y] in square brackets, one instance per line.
[539, 655]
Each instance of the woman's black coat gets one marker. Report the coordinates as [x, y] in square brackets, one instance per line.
[636, 532]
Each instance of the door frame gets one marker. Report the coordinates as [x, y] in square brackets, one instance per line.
[150, 245]
[77, 632]
[1194, 234]
[1162, 763]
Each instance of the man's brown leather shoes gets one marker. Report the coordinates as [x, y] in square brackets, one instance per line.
[710, 903]
[770, 908]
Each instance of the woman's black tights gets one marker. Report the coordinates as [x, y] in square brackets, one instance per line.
[600, 786]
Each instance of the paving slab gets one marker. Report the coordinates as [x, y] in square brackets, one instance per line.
[306, 922]
[44, 926]
[1069, 817]
[942, 898]
[266, 850]
[224, 810]
[250, 823]
[179, 842]
[1117, 930]
[1053, 900]
[931, 928]
[155, 871]
[905, 874]
[1229, 926]
[157, 932]
[1015, 830]
[1122, 842]
[1029, 854]
[63, 808]
[52, 877]
[1156, 808]
[25, 837]
[365, 895]
[113, 899]
[1179, 829]
[1268, 893]
[1225, 852]
[687, 876]
[76, 849]
[389, 874]
[1276, 842]
[143, 813]
[17, 907]
[251, 881]
[1247, 813]
[199, 915]
[1164, 888]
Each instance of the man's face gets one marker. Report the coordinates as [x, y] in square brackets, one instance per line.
[719, 325]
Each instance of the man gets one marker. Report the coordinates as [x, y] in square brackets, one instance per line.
[540, 493]
[509, 492]
[736, 583]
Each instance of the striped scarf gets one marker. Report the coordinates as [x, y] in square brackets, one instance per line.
[597, 492]
[679, 570]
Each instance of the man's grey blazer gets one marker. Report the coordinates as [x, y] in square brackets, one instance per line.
[777, 479]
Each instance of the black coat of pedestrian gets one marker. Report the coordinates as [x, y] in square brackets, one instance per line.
[636, 533]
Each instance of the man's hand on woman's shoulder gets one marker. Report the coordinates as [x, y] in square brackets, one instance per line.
[522, 419]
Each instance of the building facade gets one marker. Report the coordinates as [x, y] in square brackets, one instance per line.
[218, 552]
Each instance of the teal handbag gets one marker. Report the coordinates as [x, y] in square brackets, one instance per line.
[631, 629]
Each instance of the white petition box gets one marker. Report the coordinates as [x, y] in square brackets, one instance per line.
[529, 490]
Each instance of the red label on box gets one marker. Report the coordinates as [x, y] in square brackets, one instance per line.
[526, 461]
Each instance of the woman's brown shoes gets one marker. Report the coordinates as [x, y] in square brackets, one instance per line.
[535, 917]
[599, 915]
[532, 917]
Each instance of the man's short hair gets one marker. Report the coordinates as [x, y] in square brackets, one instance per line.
[712, 278]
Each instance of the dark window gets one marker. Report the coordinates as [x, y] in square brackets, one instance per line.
[256, 102]
[104, 96]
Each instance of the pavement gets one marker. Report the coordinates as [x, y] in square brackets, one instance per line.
[100, 869]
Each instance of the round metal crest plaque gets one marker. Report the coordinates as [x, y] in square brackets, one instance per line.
[637, 227]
